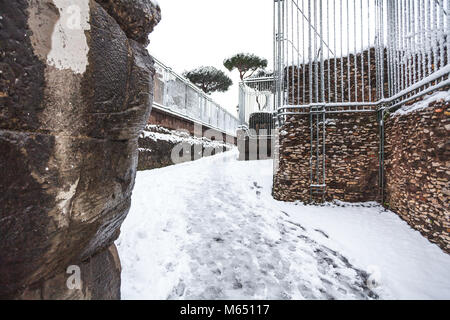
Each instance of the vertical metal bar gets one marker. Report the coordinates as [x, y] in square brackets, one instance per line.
[348, 53]
[322, 71]
[342, 52]
[401, 44]
[429, 35]
[304, 53]
[382, 51]
[317, 146]
[286, 62]
[369, 48]
[447, 27]
[378, 49]
[311, 177]
[441, 32]
[408, 43]
[328, 51]
[335, 52]
[293, 57]
[397, 49]
[324, 135]
[414, 41]
[280, 54]
[298, 56]
[435, 37]
[377, 44]
[422, 38]
[274, 53]
[285, 54]
[389, 50]
[316, 71]
[405, 44]
[311, 94]
[355, 67]
[362, 52]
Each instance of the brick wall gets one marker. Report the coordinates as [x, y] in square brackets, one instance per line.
[417, 170]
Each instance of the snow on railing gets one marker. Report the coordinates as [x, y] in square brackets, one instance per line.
[178, 95]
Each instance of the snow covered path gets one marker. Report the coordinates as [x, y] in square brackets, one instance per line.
[211, 230]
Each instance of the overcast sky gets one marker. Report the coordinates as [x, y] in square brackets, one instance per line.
[205, 32]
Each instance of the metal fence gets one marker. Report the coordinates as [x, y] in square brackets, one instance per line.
[356, 56]
[178, 95]
[255, 95]
[359, 55]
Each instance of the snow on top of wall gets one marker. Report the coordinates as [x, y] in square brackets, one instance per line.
[158, 133]
[420, 105]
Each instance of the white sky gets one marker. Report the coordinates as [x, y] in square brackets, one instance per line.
[205, 32]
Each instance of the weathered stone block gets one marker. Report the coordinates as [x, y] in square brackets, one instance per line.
[75, 93]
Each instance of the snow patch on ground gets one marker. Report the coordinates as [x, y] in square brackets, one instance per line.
[210, 229]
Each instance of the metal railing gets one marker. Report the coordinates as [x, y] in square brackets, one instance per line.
[255, 95]
[358, 55]
[175, 94]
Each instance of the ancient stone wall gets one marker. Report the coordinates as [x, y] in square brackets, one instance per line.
[417, 170]
[343, 79]
[352, 143]
[160, 147]
[416, 163]
[76, 89]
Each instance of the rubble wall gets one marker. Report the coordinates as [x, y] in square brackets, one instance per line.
[417, 170]
[352, 143]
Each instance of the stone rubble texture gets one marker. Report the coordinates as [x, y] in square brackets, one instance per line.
[417, 170]
[351, 159]
[416, 165]
[68, 146]
[157, 143]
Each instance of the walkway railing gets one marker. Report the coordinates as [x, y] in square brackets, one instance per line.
[175, 94]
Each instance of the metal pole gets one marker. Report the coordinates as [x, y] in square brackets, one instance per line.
[348, 54]
[342, 53]
[322, 65]
[310, 55]
[441, 32]
[414, 41]
[362, 52]
[369, 62]
[355, 67]
[304, 54]
[335, 52]
[328, 51]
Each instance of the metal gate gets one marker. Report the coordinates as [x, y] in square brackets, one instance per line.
[255, 95]
[362, 56]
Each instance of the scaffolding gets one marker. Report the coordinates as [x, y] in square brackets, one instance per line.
[365, 56]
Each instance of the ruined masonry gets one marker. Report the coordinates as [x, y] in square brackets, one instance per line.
[76, 89]
[416, 164]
